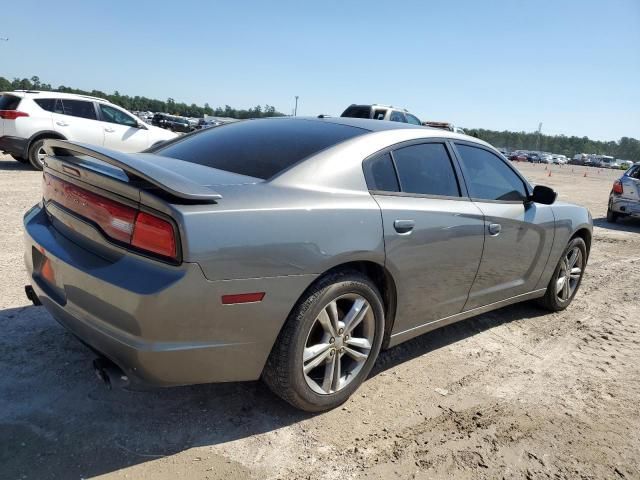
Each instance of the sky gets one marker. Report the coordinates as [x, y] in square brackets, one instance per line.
[573, 65]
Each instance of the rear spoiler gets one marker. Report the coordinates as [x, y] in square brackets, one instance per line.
[136, 167]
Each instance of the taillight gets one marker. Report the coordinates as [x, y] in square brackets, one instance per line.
[154, 235]
[617, 187]
[119, 222]
[12, 114]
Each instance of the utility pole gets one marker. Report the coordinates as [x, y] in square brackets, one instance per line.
[539, 130]
[295, 110]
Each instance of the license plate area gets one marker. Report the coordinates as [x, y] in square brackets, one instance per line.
[47, 276]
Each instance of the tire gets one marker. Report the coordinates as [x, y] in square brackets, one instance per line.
[555, 300]
[18, 158]
[35, 151]
[612, 216]
[304, 332]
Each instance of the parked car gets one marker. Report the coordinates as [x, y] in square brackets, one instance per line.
[290, 249]
[444, 126]
[533, 157]
[559, 159]
[28, 118]
[381, 112]
[624, 199]
[518, 157]
[546, 158]
[173, 123]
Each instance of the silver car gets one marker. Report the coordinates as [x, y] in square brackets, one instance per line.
[289, 249]
[624, 199]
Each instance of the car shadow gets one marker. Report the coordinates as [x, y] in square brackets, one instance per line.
[621, 225]
[9, 164]
[58, 421]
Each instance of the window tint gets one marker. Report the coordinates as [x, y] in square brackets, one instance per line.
[47, 104]
[381, 175]
[259, 148]
[488, 177]
[9, 102]
[379, 114]
[113, 115]
[412, 119]
[634, 173]
[397, 117]
[426, 169]
[357, 111]
[77, 108]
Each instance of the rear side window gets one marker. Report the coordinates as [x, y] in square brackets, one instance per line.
[381, 175]
[426, 169]
[357, 111]
[78, 108]
[488, 177]
[9, 102]
[259, 148]
[47, 104]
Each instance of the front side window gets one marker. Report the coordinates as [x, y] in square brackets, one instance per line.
[381, 175]
[397, 117]
[426, 169]
[413, 120]
[113, 115]
[76, 108]
[488, 177]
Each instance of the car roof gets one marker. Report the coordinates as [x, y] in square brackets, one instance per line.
[51, 94]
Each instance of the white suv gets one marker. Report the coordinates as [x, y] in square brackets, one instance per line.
[28, 117]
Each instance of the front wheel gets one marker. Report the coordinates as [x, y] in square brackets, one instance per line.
[329, 343]
[567, 277]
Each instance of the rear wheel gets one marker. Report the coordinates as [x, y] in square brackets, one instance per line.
[18, 158]
[37, 154]
[329, 344]
[567, 276]
[611, 215]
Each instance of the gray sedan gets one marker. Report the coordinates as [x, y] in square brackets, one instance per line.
[290, 249]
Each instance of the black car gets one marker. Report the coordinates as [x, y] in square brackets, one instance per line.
[172, 122]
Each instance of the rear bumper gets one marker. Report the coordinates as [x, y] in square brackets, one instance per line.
[625, 207]
[14, 145]
[162, 325]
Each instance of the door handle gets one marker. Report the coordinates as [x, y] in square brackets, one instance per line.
[495, 229]
[404, 226]
[109, 130]
[62, 124]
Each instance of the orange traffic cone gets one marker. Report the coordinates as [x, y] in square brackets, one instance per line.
[585, 174]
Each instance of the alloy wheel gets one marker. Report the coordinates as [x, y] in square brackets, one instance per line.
[571, 267]
[338, 344]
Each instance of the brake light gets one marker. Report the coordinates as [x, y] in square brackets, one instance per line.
[12, 114]
[617, 187]
[154, 235]
[117, 221]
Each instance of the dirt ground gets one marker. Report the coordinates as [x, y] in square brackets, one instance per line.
[516, 393]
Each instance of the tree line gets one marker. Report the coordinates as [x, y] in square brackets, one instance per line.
[144, 104]
[626, 148]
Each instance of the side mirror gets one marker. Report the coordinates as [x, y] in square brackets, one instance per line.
[142, 126]
[543, 195]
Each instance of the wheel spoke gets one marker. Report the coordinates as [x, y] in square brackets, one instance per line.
[317, 360]
[572, 258]
[337, 372]
[565, 291]
[361, 343]
[327, 381]
[357, 356]
[353, 318]
[560, 284]
[325, 320]
[575, 273]
[313, 351]
[332, 310]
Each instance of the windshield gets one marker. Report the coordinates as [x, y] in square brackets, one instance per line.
[259, 148]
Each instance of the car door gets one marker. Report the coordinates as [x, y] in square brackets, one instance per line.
[77, 121]
[122, 131]
[433, 233]
[518, 234]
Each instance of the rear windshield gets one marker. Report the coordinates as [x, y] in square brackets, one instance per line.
[357, 111]
[258, 148]
[9, 102]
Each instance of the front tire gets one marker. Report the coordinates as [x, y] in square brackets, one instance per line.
[37, 154]
[567, 277]
[329, 343]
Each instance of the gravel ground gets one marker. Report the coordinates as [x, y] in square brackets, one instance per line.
[516, 393]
